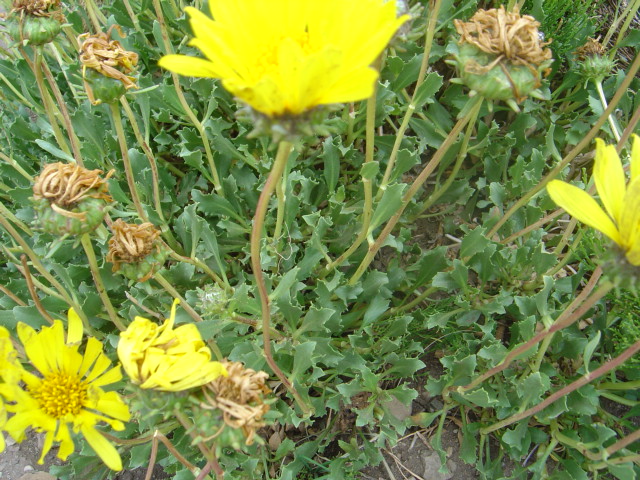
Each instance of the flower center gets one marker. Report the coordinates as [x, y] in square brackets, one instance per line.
[60, 394]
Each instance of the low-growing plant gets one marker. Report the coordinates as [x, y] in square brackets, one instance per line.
[280, 219]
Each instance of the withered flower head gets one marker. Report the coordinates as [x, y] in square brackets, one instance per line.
[503, 47]
[70, 198]
[35, 21]
[38, 8]
[592, 48]
[593, 62]
[506, 34]
[135, 249]
[239, 397]
[107, 57]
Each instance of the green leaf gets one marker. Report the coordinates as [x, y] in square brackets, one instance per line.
[389, 204]
[369, 170]
[427, 90]
[302, 360]
[331, 156]
[55, 151]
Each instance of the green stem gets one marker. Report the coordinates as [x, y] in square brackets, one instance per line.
[284, 149]
[97, 279]
[47, 102]
[148, 153]
[462, 154]
[95, 15]
[472, 108]
[429, 34]
[367, 209]
[223, 283]
[185, 105]
[582, 381]
[281, 199]
[35, 261]
[578, 307]
[16, 166]
[603, 100]
[419, 299]
[622, 90]
[124, 151]
[192, 313]
[64, 112]
[619, 385]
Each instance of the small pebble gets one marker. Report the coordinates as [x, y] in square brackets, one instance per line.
[27, 468]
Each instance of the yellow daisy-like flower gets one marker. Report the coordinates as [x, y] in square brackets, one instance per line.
[166, 358]
[285, 57]
[10, 374]
[620, 219]
[67, 391]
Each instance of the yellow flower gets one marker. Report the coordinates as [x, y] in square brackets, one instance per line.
[621, 222]
[67, 391]
[10, 374]
[164, 358]
[285, 57]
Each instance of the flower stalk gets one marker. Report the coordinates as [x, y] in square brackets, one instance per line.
[582, 381]
[472, 108]
[279, 165]
[434, 11]
[124, 152]
[97, 278]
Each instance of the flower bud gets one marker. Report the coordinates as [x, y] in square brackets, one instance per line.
[70, 199]
[136, 251]
[501, 55]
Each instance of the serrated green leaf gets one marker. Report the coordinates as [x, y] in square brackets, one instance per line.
[427, 90]
[369, 170]
[388, 205]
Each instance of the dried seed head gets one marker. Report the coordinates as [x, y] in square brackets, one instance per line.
[130, 242]
[65, 185]
[501, 55]
[508, 35]
[70, 198]
[592, 48]
[38, 8]
[239, 397]
[107, 57]
[593, 62]
[135, 250]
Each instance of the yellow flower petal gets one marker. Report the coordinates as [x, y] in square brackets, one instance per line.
[188, 66]
[635, 157]
[581, 206]
[103, 448]
[74, 327]
[630, 223]
[285, 57]
[609, 177]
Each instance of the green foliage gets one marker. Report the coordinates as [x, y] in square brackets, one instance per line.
[445, 299]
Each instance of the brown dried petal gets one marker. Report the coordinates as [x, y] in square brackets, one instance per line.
[239, 397]
[505, 34]
[131, 243]
[108, 56]
[38, 8]
[67, 184]
[590, 49]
